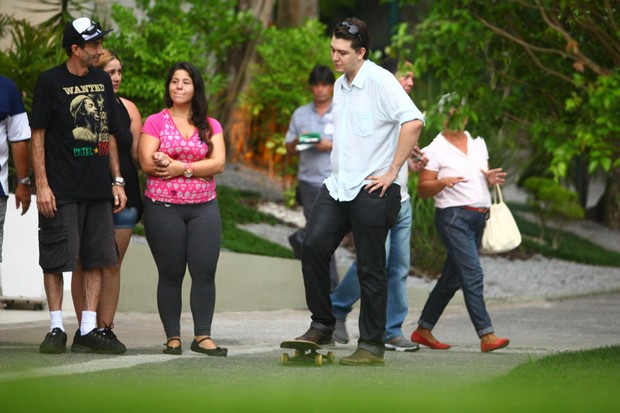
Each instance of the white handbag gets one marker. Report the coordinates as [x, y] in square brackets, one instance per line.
[501, 233]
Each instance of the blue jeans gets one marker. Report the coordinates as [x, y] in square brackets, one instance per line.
[370, 217]
[126, 219]
[460, 231]
[398, 250]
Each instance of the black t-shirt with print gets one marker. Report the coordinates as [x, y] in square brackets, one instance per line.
[78, 114]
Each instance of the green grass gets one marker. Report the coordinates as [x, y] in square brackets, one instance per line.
[582, 381]
[586, 381]
[570, 248]
[239, 207]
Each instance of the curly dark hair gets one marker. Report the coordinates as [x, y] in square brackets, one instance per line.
[200, 105]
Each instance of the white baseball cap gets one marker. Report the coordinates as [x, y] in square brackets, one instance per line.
[82, 30]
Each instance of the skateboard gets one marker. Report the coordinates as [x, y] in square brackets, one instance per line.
[21, 302]
[305, 351]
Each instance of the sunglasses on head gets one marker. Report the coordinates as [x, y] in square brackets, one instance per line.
[351, 29]
[94, 28]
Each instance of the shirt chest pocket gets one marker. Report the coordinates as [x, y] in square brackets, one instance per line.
[363, 124]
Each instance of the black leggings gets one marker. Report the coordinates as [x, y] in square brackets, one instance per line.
[180, 236]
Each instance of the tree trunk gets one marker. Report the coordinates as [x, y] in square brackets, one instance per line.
[238, 64]
[293, 13]
[611, 200]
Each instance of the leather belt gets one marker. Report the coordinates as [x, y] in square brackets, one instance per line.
[480, 210]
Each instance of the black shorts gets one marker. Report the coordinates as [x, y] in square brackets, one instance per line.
[83, 230]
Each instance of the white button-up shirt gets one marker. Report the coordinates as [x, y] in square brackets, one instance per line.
[449, 161]
[367, 117]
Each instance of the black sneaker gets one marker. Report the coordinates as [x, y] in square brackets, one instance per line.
[97, 342]
[317, 336]
[55, 342]
[107, 332]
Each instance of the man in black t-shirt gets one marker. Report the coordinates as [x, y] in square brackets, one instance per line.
[74, 120]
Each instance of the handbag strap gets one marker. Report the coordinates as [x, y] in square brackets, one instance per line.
[497, 194]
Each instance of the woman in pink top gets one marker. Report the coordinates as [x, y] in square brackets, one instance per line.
[181, 149]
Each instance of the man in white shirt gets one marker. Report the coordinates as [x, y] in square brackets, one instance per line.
[376, 126]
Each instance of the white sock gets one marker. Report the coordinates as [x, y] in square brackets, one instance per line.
[56, 320]
[89, 322]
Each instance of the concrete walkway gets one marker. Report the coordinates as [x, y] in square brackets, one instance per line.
[260, 302]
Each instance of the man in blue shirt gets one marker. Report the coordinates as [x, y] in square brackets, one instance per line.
[313, 122]
[376, 126]
[14, 130]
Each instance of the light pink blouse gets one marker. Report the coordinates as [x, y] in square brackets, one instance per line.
[179, 190]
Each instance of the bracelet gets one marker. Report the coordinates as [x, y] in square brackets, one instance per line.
[24, 181]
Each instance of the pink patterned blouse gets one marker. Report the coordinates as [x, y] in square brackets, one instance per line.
[179, 190]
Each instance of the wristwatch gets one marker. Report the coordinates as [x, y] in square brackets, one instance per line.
[119, 180]
[189, 171]
[24, 181]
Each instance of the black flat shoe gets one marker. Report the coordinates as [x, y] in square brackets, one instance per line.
[174, 351]
[215, 352]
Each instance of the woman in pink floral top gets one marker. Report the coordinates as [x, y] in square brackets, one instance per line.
[181, 149]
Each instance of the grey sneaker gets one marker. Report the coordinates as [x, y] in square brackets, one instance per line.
[400, 343]
[55, 342]
[362, 357]
[340, 333]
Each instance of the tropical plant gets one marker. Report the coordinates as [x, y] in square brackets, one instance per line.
[171, 31]
[543, 70]
[427, 252]
[280, 78]
[551, 200]
[32, 51]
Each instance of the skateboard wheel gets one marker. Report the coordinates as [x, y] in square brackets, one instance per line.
[318, 360]
[330, 357]
[298, 353]
[284, 358]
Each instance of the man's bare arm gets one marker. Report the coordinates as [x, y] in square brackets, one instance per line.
[21, 162]
[120, 199]
[46, 202]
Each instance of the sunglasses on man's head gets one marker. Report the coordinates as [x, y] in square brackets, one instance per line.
[94, 28]
[351, 29]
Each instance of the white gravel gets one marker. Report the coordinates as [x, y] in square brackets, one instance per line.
[535, 278]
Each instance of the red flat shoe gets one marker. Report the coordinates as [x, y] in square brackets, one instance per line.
[500, 343]
[417, 338]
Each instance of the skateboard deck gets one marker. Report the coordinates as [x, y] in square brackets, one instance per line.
[9, 302]
[305, 351]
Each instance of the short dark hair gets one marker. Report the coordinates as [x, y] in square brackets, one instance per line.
[390, 64]
[321, 74]
[355, 30]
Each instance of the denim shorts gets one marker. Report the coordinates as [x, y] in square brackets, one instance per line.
[126, 219]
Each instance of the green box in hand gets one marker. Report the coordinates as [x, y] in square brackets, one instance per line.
[312, 137]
